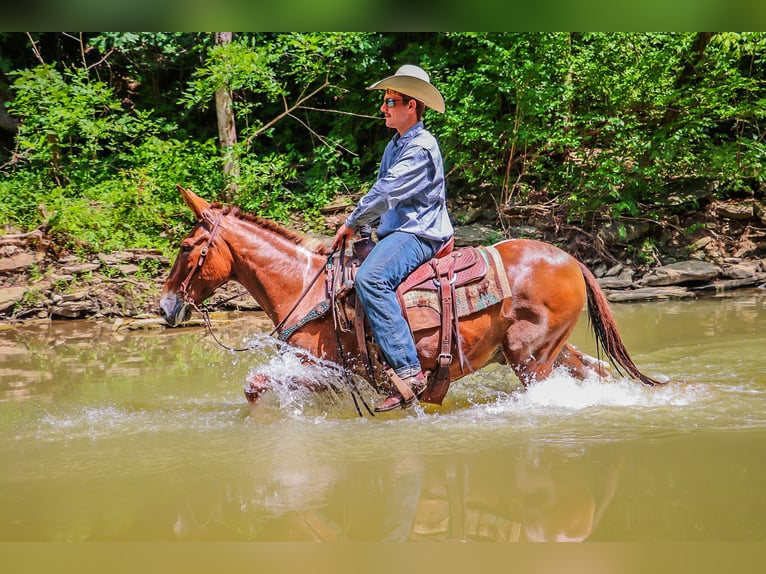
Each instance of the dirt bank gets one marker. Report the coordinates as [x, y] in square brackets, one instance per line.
[720, 248]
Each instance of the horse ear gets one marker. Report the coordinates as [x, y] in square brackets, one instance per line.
[193, 201]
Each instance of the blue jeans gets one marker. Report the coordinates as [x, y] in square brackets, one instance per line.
[390, 262]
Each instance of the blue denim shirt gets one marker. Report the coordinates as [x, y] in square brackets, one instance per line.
[409, 194]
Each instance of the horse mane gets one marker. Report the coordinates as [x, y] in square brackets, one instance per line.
[316, 245]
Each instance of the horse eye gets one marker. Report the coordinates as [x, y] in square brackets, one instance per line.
[186, 248]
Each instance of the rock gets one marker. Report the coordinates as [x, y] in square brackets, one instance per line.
[691, 271]
[489, 215]
[649, 294]
[738, 211]
[244, 304]
[472, 216]
[690, 191]
[701, 243]
[740, 270]
[148, 324]
[623, 232]
[16, 262]
[746, 248]
[74, 309]
[78, 295]
[525, 231]
[614, 270]
[476, 235]
[81, 268]
[9, 296]
[731, 284]
[115, 258]
[127, 268]
[600, 270]
[62, 278]
[621, 281]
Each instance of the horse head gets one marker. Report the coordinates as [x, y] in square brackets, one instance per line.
[203, 264]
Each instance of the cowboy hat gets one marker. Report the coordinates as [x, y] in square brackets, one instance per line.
[412, 81]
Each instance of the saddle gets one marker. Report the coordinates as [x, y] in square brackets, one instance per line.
[462, 266]
[448, 270]
[442, 275]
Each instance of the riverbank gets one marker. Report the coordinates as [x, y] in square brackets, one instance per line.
[717, 250]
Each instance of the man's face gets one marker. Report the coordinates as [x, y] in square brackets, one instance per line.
[399, 114]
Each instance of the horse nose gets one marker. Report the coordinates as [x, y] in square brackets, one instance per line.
[168, 307]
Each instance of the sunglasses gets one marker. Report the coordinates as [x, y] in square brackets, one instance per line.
[391, 102]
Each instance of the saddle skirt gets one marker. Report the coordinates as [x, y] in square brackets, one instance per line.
[480, 281]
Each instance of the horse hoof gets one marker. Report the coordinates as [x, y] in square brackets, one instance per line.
[252, 394]
[255, 387]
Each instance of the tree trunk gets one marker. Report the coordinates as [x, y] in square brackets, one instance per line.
[227, 130]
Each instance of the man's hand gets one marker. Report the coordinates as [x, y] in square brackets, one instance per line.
[344, 233]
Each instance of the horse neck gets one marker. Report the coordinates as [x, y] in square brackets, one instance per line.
[273, 268]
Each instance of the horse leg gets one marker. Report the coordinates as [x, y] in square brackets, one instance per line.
[530, 348]
[580, 365]
[535, 340]
[257, 384]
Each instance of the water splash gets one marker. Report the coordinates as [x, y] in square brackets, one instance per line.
[563, 390]
[89, 422]
[315, 387]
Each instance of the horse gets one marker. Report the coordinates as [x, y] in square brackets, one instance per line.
[280, 268]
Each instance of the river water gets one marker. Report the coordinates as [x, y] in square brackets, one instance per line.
[114, 435]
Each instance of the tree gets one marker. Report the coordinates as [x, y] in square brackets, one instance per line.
[227, 129]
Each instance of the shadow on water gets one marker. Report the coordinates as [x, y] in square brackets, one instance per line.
[126, 436]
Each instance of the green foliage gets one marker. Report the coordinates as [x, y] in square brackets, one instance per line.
[236, 66]
[68, 121]
[600, 123]
[99, 177]
[603, 121]
[266, 185]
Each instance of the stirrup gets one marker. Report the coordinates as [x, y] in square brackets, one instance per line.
[395, 400]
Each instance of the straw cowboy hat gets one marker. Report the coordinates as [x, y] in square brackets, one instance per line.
[412, 81]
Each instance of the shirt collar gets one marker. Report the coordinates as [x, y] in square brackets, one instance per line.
[408, 135]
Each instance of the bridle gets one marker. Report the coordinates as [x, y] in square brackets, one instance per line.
[187, 298]
[202, 309]
[184, 289]
[327, 268]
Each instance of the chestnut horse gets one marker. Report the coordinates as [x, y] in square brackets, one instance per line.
[279, 268]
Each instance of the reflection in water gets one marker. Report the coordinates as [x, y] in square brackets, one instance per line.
[121, 436]
[540, 495]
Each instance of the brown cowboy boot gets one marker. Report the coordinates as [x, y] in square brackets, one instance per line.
[396, 400]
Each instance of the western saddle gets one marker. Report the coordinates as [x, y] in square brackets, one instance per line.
[448, 270]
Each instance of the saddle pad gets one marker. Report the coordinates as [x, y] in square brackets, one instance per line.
[423, 308]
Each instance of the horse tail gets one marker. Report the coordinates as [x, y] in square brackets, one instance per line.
[605, 329]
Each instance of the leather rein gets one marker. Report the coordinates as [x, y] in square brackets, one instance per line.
[317, 312]
[202, 309]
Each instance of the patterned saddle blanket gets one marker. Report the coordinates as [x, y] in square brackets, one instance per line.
[480, 282]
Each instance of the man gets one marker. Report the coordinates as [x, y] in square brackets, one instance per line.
[408, 202]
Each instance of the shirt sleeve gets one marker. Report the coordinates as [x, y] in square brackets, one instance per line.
[407, 177]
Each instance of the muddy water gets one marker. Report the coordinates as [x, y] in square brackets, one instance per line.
[108, 435]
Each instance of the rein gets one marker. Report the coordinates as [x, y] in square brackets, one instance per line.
[206, 314]
[318, 311]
